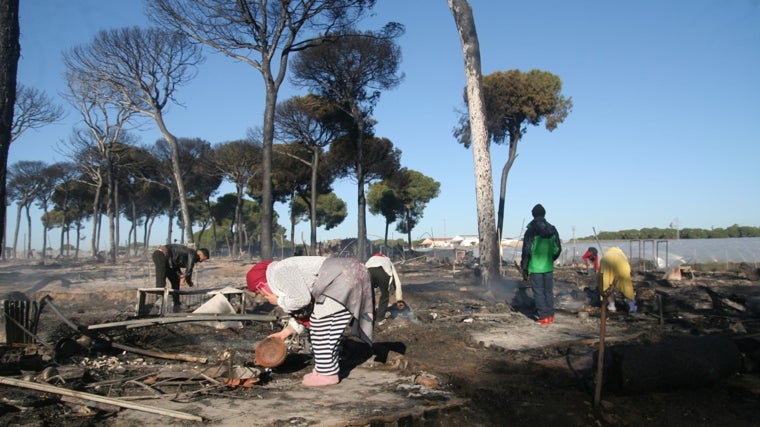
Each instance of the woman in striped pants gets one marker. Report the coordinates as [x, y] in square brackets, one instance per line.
[323, 294]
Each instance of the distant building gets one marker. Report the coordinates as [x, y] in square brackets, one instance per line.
[438, 242]
[465, 241]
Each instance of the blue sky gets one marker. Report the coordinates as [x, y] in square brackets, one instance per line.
[665, 126]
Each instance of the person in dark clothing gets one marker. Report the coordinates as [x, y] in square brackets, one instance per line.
[541, 247]
[591, 256]
[170, 259]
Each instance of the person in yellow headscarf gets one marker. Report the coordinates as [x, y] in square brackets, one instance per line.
[615, 271]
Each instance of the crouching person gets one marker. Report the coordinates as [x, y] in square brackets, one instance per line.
[322, 294]
[615, 271]
[384, 277]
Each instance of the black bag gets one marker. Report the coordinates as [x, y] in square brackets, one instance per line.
[304, 312]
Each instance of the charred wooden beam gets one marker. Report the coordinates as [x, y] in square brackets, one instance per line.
[47, 388]
[187, 318]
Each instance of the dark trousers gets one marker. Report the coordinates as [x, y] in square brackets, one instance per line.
[380, 280]
[543, 293]
[163, 272]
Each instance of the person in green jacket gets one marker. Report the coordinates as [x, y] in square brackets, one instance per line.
[541, 247]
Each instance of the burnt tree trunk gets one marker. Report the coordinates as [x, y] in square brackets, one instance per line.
[10, 51]
[489, 245]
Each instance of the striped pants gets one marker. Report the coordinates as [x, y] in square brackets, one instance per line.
[325, 333]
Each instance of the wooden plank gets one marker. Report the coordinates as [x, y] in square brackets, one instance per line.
[160, 355]
[189, 317]
[97, 398]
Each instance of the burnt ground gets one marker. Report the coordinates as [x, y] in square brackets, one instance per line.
[464, 355]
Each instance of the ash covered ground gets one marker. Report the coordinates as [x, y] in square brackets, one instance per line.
[465, 354]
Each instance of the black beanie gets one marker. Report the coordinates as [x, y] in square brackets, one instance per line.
[538, 211]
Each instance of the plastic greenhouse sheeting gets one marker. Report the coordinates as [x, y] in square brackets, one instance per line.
[670, 253]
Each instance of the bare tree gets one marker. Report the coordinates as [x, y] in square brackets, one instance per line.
[34, 109]
[489, 249]
[261, 33]
[10, 51]
[105, 117]
[142, 69]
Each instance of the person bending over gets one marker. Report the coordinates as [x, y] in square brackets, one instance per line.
[615, 271]
[322, 294]
[384, 277]
[170, 260]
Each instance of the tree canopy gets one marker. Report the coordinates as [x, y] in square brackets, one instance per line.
[513, 101]
[262, 34]
[351, 70]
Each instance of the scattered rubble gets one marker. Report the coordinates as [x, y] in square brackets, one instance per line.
[458, 354]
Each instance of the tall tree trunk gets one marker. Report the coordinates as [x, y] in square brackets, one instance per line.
[385, 236]
[68, 241]
[146, 232]
[177, 172]
[503, 187]
[18, 226]
[213, 235]
[267, 199]
[100, 227]
[96, 219]
[237, 242]
[64, 228]
[10, 51]
[110, 190]
[170, 214]
[313, 204]
[44, 234]
[79, 232]
[409, 232]
[63, 236]
[293, 225]
[133, 229]
[361, 200]
[116, 218]
[489, 254]
[28, 230]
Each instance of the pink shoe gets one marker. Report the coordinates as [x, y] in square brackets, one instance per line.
[315, 379]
